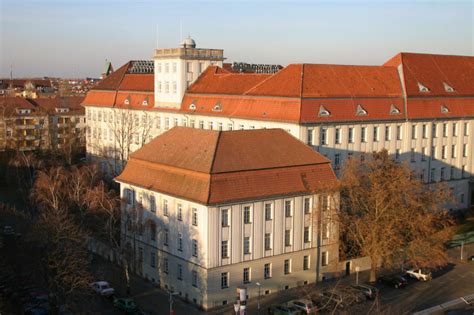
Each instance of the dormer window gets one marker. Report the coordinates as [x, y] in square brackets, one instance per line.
[447, 87]
[192, 106]
[23, 111]
[444, 109]
[62, 110]
[323, 112]
[394, 110]
[217, 107]
[127, 101]
[423, 88]
[145, 102]
[360, 111]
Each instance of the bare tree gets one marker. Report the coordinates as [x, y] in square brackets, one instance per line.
[390, 216]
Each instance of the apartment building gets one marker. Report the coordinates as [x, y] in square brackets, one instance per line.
[420, 107]
[41, 124]
[207, 211]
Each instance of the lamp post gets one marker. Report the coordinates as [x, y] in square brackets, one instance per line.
[357, 275]
[258, 298]
[171, 301]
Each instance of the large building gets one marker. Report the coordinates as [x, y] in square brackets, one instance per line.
[420, 107]
[42, 124]
[208, 211]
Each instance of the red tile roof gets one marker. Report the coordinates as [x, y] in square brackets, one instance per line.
[50, 104]
[212, 167]
[9, 105]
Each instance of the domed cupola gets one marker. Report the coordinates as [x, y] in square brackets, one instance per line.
[188, 43]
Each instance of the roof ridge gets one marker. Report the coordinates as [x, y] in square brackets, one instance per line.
[269, 77]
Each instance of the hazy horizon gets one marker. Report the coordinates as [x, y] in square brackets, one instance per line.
[73, 38]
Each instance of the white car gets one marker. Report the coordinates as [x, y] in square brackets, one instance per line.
[305, 305]
[419, 274]
[103, 288]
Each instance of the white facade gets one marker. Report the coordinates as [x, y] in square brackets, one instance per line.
[205, 252]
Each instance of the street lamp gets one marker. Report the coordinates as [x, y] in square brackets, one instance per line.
[171, 301]
[258, 298]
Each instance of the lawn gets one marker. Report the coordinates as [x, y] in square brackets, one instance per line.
[464, 232]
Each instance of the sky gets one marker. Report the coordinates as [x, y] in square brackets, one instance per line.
[73, 38]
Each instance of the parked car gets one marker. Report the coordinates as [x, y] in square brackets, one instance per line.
[470, 258]
[284, 310]
[369, 291]
[103, 288]
[127, 305]
[419, 274]
[305, 305]
[395, 281]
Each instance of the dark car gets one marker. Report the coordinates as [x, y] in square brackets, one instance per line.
[369, 291]
[395, 281]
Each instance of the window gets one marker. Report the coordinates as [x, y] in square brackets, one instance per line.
[246, 277]
[423, 154]
[306, 234]
[268, 211]
[324, 200]
[195, 248]
[287, 267]
[167, 67]
[287, 237]
[224, 280]
[267, 271]
[433, 130]
[225, 217]
[453, 151]
[153, 231]
[309, 139]
[413, 132]
[129, 196]
[464, 150]
[230, 126]
[165, 208]
[325, 230]
[201, 67]
[180, 212]
[165, 237]
[351, 135]
[337, 137]
[363, 134]
[324, 258]
[189, 67]
[180, 242]
[445, 130]
[376, 134]
[167, 123]
[425, 131]
[463, 171]
[307, 205]
[167, 87]
[220, 127]
[246, 214]
[140, 254]
[433, 152]
[432, 175]
[247, 245]
[201, 124]
[180, 272]
[323, 137]
[451, 172]
[165, 265]
[441, 175]
[194, 278]
[176, 122]
[443, 152]
[305, 262]
[287, 208]
[399, 132]
[337, 160]
[387, 133]
[412, 155]
[184, 122]
[466, 129]
[210, 125]
[175, 66]
[153, 260]
[225, 249]
[455, 129]
[268, 241]
[241, 127]
[195, 217]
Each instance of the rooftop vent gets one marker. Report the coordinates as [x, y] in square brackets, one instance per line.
[323, 112]
[447, 87]
[423, 88]
[145, 102]
[192, 106]
[217, 107]
[394, 110]
[360, 111]
[444, 109]
[127, 101]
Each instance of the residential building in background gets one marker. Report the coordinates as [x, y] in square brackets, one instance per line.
[42, 124]
[420, 107]
[206, 212]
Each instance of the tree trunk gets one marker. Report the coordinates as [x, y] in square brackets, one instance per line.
[373, 270]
